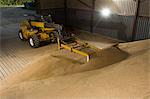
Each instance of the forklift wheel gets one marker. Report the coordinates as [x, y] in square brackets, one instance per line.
[20, 34]
[34, 41]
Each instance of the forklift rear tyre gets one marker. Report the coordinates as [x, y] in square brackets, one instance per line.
[34, 41]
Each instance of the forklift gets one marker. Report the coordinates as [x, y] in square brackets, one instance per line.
[38, 29]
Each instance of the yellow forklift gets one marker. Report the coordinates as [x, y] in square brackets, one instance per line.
[37, 30]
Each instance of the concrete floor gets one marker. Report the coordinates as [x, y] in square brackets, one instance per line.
[46, 73]
[15, 54]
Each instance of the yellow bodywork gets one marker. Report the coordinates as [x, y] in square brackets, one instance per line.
[44, 36]
[48, 29]
[41, 26]
[38, 24]
[28, 31]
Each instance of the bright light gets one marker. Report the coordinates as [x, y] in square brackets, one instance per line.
[105, 12]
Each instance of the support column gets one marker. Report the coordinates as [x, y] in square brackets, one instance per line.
[135, 20]
[92, 16]
[65, 10]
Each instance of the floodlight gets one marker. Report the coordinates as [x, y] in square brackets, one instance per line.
[105, 12]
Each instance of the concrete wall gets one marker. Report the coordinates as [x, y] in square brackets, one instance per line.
[118, 26]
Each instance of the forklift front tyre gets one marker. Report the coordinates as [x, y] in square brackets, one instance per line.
[20, 34]
[34, 41]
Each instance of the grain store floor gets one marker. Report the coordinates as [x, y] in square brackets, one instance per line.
[46, 73]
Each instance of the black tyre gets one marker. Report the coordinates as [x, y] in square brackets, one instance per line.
[34, 41]
[20, 34]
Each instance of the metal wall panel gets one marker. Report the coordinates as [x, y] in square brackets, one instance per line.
[145, 8]
[75, 4]
[143, 28]
[117, 26]
[125, 7]
[120, 7]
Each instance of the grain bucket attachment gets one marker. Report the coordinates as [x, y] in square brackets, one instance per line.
[76, 45]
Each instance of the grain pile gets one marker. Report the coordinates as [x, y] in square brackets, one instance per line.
[111, 74]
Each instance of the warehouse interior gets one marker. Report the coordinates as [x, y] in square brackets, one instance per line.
[113, 63]
[85, 15]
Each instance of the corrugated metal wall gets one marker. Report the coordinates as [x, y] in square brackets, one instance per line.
[143, 28]
[118, 26]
